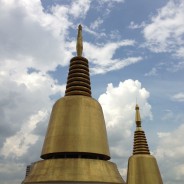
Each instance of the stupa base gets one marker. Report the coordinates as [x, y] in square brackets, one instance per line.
[143, 169]
[72, 170]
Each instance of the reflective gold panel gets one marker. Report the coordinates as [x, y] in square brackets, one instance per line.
[143, 169]
[73, 170]
[76, 126]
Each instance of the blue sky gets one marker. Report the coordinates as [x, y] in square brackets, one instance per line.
[135, 51]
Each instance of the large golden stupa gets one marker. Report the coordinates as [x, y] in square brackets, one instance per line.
[75, 149]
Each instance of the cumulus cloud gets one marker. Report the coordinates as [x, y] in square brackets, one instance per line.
[36, 36]
[166, 30]
[79, 8]
[179, 97]
[31, 39]
[24, 137]
[22, 97]
[118, 105]
[170, 153]
[39, 40]
[25, 104]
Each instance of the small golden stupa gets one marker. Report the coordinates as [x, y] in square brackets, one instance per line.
[75, 149]
[142, 167]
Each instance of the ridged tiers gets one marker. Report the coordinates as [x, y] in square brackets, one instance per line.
[140, 143]
[78, 81]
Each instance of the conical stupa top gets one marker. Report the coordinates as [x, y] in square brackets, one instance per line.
[78, 81]
[140, 142]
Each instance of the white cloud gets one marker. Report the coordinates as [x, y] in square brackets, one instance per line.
[29, 33]
[180, 52]
[24, 138]
[176, 67]
[22, 96]
[97, 35]
[169, 152]
[152, 72]
[168, 115]
[103, 58]
[79, 8]
[115, 64]
[133, 25]
[10, 172]
[179, 97]
[96, 23]
[103, 54]
[166, 30]
[118, 100]
[31, 23]
[155, 71]
[110, 3]
[118, 105]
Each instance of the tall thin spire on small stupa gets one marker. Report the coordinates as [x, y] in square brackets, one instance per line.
[142, 167]
[140, 142]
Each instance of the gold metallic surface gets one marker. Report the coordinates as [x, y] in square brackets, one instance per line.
[76, 148]
[79, 45]
[73, 170]
[140, 143]
[76, 125]
[137, 116]
[143, 169]
[78, 81]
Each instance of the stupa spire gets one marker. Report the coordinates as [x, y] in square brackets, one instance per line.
[142, 167]
[79, 45]
[137, 116]
[78, 81]
[140, 142]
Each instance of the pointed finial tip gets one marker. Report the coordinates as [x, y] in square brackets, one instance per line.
[137, 107]
[137, 116]
[79, 45]
[80, 27]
